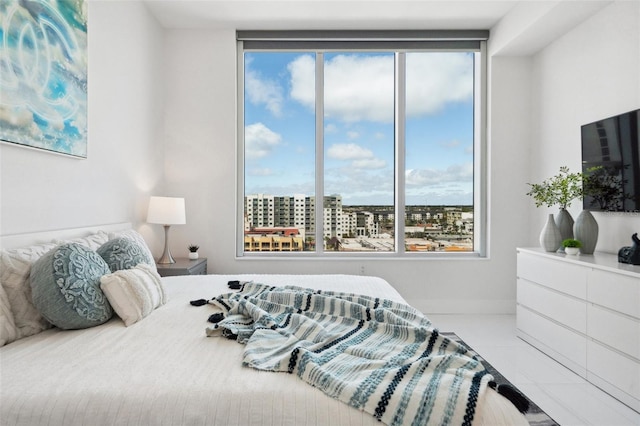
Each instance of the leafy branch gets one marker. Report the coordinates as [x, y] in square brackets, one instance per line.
[560, 189]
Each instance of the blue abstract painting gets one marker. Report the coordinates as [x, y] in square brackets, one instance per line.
[43, 74]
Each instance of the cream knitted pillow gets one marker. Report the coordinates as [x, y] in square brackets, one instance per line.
[134, 293]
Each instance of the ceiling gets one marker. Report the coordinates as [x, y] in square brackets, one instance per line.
[329, 14]
[531, 23]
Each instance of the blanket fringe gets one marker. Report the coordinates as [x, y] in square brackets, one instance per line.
[216, 318]
[509, 392]
[199, 302]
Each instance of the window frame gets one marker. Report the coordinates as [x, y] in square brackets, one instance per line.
[399, 42]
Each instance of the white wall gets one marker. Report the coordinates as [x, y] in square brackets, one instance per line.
[591, 73]
[200, 140]
[201, 166]
[42, 191]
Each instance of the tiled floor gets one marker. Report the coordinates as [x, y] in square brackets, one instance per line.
[563, 395]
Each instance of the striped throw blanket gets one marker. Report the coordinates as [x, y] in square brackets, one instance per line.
[377, 355]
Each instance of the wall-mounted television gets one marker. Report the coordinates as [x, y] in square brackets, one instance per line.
[611, 157]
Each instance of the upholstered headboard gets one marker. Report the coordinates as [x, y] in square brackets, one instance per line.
[28, 239]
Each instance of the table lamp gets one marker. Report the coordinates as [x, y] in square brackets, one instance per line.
[166, 211]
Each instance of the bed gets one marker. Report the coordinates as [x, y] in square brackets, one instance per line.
[164, 370]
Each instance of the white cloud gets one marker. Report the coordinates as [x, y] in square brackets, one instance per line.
[452, 174]
[435, 79]
[361, 88]
[303, 80]
[361, 186]
[361, 158]
[263, 91]
[331, 128]
[356, 87]
[419, 177]
[260, 140]
[452, 185]
[348, 151]
[352, 134]
[369, 163]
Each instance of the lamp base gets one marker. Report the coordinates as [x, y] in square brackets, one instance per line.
[166, 258]
[166, 254]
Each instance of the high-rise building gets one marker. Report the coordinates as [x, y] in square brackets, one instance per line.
[298, 211]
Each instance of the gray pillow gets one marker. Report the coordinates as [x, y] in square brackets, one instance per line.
[65, 286]
[124, 253]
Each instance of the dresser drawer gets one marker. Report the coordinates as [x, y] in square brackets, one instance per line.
[615, 291]
[561, 276]
[571, 346]
[564, 309]
[615, 330]
[618, 370]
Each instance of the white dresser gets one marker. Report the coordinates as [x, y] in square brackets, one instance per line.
[584, 311]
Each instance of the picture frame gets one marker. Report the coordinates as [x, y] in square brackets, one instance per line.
[43, 78]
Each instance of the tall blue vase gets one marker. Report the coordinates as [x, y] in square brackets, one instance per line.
[550, 237]
[586, 231]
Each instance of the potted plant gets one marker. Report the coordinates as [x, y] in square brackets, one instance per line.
[560, 190]
[193, 251]
[571, 246]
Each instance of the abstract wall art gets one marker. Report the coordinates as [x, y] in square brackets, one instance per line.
[43, 75]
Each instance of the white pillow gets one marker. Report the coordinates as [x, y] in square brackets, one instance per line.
[135, 236]
[92, 242]
[15, 269]
[134, 293]
[8, 330]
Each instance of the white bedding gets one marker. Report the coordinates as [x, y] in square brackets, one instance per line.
[163, 370]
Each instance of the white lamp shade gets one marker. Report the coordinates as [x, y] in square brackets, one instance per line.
[166, 211]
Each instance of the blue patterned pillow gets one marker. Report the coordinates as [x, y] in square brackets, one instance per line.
[124, 253]
[65, 286]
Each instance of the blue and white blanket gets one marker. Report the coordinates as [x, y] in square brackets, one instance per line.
[377, 355]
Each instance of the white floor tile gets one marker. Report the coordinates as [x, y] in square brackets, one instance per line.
[555, 409]
[562, 394]
[593, 408]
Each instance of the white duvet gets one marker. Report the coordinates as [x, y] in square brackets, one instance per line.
[163, 370]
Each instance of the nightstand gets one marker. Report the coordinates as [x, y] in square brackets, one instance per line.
[183, 266]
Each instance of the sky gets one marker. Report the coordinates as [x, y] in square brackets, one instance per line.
[279, 120]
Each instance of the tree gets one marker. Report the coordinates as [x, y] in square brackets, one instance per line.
[334, 244]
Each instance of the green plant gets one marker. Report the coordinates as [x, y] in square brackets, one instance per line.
[193, 248]
[559, 190]
[570, 242]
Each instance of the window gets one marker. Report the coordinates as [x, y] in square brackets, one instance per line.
[361, 143]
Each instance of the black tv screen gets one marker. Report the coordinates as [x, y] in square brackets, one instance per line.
[611, 157]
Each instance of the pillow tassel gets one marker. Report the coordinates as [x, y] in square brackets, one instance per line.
[199, 302]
